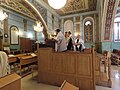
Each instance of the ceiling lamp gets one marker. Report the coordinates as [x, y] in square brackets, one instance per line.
[3, 15]
[38, 27]
[57, 4]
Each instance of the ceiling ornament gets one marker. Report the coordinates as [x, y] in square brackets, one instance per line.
[16, 6]
[57, 4]
[38, 27]
[75, 6]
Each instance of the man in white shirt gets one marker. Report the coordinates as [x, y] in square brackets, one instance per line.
[79, 44]
[60, 45]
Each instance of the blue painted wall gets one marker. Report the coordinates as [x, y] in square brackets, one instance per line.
[106, 46]
[116, 45]
[88, 45]
[17, 20]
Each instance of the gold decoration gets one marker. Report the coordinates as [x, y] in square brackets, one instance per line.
[74, 5]
[77, 6]
[16, 6]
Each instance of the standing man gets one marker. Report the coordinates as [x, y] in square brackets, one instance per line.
[60, 44]
[70, 41]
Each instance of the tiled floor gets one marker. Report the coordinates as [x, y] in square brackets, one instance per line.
[30, 84]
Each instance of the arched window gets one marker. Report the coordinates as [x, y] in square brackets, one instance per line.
[88, 29]
[116, 33]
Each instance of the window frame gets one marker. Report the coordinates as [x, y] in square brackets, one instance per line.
[118, 31]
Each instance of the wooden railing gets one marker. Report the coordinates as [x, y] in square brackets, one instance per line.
[75, 67]
[105, 62]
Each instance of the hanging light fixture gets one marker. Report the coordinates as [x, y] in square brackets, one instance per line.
[57, 4]
[38, 27]
[3, 15]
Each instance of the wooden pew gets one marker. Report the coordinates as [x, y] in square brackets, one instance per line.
[10, 82]
[12, 61]
[26, 61]
[75, 67]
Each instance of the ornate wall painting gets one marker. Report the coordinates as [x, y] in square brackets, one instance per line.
[14, 37]
[109, 12]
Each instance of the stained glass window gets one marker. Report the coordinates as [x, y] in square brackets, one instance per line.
[88, 31]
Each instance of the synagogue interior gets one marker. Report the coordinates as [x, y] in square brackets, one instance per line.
[60, 44]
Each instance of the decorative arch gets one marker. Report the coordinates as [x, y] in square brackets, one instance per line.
[36, 13]
[109, 12]
[68, 26]
[24, 7]
[88, 30]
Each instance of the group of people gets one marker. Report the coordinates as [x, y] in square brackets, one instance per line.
[67, 42]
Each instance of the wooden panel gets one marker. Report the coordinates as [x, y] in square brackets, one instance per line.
[57, 59]
[12, 59]
[25, 44]
[44, 59]
[69, 64]
[50, 78]
[70, 79]
[76, 68]
[46, 77]
[13, 86]
[97, 63]
[85, 84]
[84, 65]
[27, 61]
[10, 82]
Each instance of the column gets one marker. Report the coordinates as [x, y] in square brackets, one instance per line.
[74, 26]
[62, 25]
[94, 28]
[6, 40]
[49, 21]
[81, 27]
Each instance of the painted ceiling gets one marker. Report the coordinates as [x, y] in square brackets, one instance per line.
[77, 6]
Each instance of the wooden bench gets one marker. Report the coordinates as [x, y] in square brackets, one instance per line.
[115, 58]
[11, 82]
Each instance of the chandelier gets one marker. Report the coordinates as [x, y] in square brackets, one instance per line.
[57, 4]
[3, 15]
[38, 27]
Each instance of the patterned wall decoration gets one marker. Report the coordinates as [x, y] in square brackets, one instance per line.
[41, 9]
[16, 6]
[109, 15]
